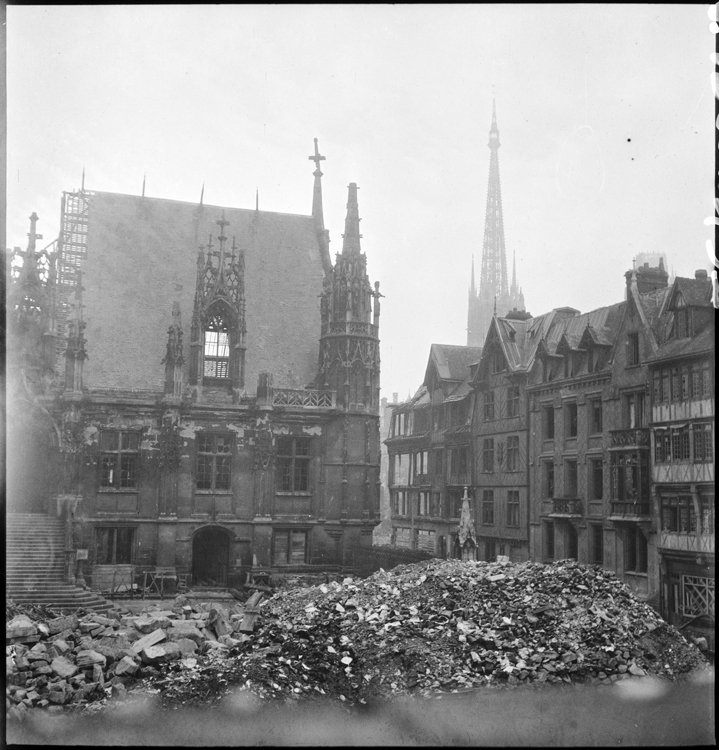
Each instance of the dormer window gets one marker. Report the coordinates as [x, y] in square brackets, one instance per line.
[216, 348]
[497, 361]
[682, 323]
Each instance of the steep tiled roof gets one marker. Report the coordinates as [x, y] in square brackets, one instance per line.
[654, 306]
[701, 343]
[452, 362]
[142, 256]
[694, 291]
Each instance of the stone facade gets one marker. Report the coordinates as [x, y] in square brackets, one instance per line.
[209, 410]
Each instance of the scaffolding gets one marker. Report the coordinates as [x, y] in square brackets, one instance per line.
[72, 250]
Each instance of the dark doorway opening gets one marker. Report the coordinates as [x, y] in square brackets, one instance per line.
[210, 557]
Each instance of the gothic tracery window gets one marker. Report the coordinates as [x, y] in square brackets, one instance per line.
[216, 348]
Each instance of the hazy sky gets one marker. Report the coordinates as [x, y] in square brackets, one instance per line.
[605, 116]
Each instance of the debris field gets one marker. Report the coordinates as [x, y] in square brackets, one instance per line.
[425, 629]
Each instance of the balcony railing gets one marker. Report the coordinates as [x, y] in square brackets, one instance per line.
[460, 479]
[562, 506]
[351, 327]
[303, 397]
[631, 438]
[631, 509]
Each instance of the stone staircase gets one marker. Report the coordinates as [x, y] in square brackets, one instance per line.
[34, 556]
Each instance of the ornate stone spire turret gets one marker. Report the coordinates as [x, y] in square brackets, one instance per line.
[220, 305]
[349, 347]
[30, 304]
[351, 237]
[317, 211]
[28, 288]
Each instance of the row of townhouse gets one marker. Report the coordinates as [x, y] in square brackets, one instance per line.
[585, 436]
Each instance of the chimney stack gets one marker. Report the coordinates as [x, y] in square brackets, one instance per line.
[700, 273]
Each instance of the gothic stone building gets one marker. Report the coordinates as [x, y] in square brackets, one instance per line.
[200, 385]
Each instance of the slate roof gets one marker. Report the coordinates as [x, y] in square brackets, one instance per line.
[702, 343]
[142, 256]
[553, 328]
[452, 362]
[694, 291]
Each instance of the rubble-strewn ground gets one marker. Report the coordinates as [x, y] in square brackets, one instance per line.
[426, 629]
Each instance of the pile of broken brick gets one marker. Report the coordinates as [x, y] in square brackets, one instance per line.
[449, 626]
[426, 629]
[69, 659]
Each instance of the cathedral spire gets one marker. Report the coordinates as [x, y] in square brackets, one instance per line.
[493, 281]
[351, 237]
[472, 287]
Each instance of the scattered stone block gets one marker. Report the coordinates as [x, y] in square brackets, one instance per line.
[20, 626]
[89, 658]
[127, 666]
[149, 640]
[161, 652]
[64, 668]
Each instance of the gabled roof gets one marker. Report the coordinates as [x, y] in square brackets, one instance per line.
[695, 292]
[702, 343]
[452, 362]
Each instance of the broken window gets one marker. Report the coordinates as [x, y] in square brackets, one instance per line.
[570, 423]
[595, 411]
[513, 508]
[596, 544]
[119, 460]
[570, 478]
[513, 401]
[293, 464]
[488, 507]
[513, 453]
[488, 406]
[214, 459]
[217, 348]
[548, 540]
[597, 476]
[114, 545]
[488, 455]
[632, 349]
[635, 550]
[289, 547]
[549, 479]
[678, 515]
[548, 422]
[703, 449]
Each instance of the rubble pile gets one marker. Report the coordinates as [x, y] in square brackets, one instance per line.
[81, 658]
[427, 628]
[440, 626]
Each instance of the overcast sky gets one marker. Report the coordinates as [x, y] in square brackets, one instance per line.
[605, 116]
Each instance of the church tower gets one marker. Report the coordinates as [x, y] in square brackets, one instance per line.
[494, 291]
[349, 346]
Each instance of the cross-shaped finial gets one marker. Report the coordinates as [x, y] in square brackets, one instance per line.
[316, 158]
[222, 223]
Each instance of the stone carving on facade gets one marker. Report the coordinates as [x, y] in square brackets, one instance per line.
[264, 447]
[170, 441]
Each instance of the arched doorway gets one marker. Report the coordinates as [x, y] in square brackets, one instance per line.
[210, 556]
